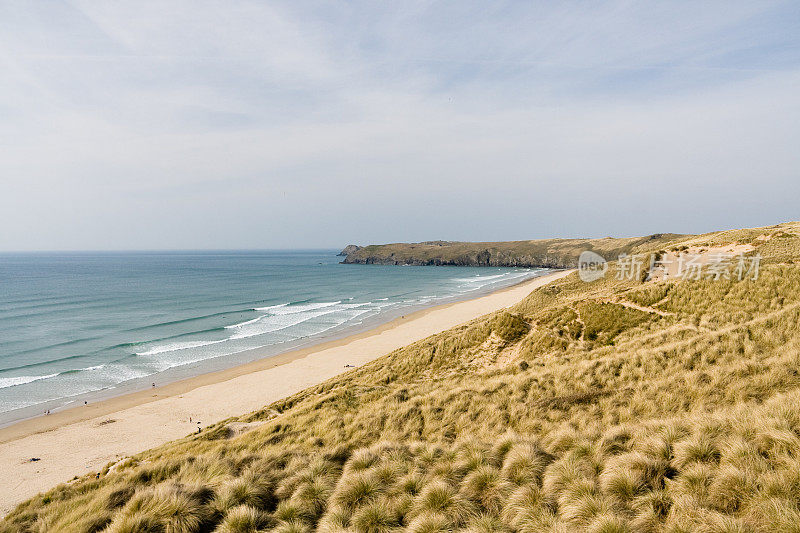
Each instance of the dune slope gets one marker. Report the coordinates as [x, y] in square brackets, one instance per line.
[617, 405]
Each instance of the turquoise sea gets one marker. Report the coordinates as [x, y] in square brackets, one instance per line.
[77, 327]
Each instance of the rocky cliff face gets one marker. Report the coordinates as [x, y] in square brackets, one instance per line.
[349, 249]
[489, 258]
[543, 253]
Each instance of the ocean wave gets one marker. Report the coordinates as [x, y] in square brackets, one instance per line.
[168, 337]
[113, 373]
[279, 317]
[163, 364]
[76, 370]
[239, 325]
[302, 308]
[355, 306]
[273, 323]
[344, 321]
[186, 320]
[175, 346]
[287, 317]
[56, 345]
[269, 307]
[22, 380]
[478, 278]
[46, 363]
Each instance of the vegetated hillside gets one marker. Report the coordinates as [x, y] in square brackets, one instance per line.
[612, 406]
[548, 253]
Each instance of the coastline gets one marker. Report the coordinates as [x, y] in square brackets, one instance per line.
[215, 365]
[83, 439]
[242, 356]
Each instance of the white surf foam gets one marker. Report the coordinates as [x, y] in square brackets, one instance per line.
[302, 308]
[22, 380]
[272, 323]
[479, 279]
[239, 325]
[175, 346]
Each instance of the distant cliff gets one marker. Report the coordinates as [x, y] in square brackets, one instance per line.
[543, 253]
[349, 249]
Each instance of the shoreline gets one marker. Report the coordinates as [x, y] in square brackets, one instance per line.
[175, 380]
[83, 439]
[229, 361]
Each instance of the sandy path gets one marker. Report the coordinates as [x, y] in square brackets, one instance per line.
[85, 439]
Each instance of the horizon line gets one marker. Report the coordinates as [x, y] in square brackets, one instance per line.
[164, 250]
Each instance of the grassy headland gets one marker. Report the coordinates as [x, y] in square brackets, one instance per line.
[612, 406]
[549, 253]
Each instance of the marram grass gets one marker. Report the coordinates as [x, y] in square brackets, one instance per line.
[614, 406]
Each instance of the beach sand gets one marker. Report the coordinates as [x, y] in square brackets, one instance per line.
[84, 439]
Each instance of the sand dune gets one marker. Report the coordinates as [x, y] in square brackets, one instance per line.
[85, 439]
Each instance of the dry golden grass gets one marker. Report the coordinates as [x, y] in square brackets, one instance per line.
[569, 412]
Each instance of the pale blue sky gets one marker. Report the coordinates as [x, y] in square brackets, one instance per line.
[168, 124]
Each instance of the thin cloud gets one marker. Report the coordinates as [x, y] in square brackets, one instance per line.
[239, 124]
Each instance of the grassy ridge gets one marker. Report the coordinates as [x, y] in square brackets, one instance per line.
[612, 406]
[551, 253]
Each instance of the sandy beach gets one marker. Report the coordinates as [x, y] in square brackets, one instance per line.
[84, 439]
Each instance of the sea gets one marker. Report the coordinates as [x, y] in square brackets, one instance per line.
[79, 327]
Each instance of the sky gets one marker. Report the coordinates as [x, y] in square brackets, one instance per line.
[303, 124]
